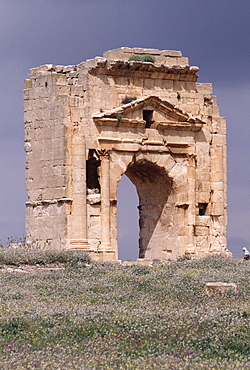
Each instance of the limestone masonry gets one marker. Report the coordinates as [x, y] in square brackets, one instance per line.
[86, 125]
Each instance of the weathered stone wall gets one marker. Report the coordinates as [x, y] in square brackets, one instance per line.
[45, 138]
[87, 125]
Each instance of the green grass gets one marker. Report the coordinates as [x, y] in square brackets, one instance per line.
[107, 316]
[26, 256]
[142, 58]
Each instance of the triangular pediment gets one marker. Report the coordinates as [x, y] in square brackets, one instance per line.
[149, 112]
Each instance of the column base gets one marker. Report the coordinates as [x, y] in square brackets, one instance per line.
[79, 244]
[105, 255]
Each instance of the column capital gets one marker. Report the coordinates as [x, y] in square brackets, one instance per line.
[104, 153]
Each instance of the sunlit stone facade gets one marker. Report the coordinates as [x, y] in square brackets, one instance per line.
[87, 125]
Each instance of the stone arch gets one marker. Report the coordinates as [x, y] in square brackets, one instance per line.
[154, 187]
[157, 179]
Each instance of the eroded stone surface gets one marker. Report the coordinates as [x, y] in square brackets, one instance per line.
[219, 288]
[87, 125]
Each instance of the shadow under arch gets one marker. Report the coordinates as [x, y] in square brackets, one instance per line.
[156, 208]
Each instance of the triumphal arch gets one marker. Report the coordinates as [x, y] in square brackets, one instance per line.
[134, 111]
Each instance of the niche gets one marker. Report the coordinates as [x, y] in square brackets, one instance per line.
[92, 176]
[148, 117]
[202, 209]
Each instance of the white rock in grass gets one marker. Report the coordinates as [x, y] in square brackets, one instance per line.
[220, 288]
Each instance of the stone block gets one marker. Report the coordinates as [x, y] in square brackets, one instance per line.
[62, 90]
[217, 209]
[217, 176]
[218, 139]
[95, 225]
[219, 288]
[217, 186]
[201, 230]
[203, 221]
[148, 84]
[204, 88]
[202, 245]
[28, 84]
[217, 196]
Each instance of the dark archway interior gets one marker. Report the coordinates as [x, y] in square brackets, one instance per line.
[153, 186]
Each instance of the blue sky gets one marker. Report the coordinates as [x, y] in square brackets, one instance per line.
[214, 34]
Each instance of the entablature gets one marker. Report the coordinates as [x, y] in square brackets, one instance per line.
[143, 145]
[120, 68]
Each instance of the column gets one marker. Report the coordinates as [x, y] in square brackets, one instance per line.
[217, 178]
[78, 232]
[105, 200]
[190, 250]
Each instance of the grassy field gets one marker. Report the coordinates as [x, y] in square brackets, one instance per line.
[107, 316]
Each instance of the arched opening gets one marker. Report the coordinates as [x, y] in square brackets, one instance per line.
[157, 212]
[127, 220]
[154, 196]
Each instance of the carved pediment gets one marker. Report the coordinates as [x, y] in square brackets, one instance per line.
[149, 112]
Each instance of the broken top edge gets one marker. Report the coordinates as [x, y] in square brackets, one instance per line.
[167, 57]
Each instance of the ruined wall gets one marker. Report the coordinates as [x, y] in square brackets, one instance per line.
[46, 153]
[87, 125]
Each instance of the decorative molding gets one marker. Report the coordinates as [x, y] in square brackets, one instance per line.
[120, 68]
[49, 201]
[176, 118]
